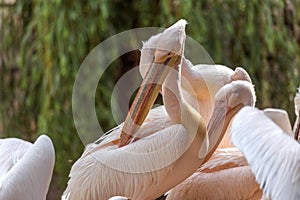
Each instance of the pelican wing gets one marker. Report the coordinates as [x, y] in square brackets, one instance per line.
[281, 118]
[142, 170]
[11, 151]
[274, 156]
[232, 183]
[28, 170]
[224, 158]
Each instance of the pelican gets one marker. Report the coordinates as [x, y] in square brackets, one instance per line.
[273, 155]
[165, 155]
[26, 168]
[226, 170]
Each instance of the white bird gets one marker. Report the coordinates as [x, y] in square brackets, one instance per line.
[139, 169]
[26, 168]
[147, 168]
[227, 170]
[128, 182]
[273, 155]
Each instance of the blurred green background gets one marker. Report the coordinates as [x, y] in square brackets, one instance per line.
[43, 43]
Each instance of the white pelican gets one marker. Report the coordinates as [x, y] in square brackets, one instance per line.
[273, 155]
[26, 168]
[147, 168]
[227, 170]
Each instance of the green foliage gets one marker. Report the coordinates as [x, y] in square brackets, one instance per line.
[43, 44]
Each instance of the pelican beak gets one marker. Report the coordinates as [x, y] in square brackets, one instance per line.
[219, 123]
[169, 47]
[147, 93]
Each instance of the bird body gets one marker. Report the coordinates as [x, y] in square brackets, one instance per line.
[26, 168]
[145, 168]
[227, 170]
[163, 142]
[226, 175]
[146, 176]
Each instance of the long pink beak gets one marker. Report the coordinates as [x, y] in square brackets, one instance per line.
[147, 94]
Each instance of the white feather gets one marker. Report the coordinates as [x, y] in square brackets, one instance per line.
[281, 118]
[26, 169]
[225, 156]
[274, 156]
[139, 168]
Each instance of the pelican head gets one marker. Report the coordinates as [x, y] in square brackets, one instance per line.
[235, 94]
[228, 101]
[168, 50]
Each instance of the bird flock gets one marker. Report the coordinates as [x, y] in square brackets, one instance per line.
[208, 140]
